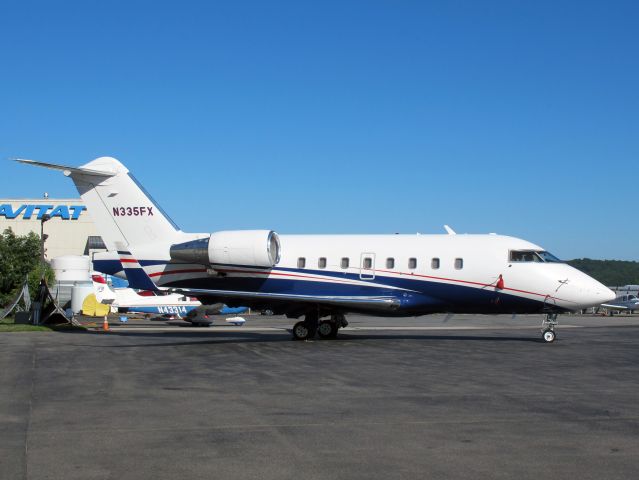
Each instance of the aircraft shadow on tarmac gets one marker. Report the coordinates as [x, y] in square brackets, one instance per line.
[218, 337]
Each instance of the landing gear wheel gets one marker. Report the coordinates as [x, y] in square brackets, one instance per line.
[327, 329]
[548, 326]
[301, 331]
[548, 336]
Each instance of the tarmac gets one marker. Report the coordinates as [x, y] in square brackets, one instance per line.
[434, 397]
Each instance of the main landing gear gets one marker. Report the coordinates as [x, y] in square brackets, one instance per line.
[326, 329]
[548, 326]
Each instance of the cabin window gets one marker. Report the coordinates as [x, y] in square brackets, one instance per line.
[434, 263]
[390, 262]
[321, 263]
[412, 263]
[368, 263]
[459, 263]
[301, 262]
[345, 262]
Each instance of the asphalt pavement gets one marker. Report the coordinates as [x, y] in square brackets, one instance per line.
[462, 397]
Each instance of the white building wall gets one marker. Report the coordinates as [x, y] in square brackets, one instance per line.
[68, 229]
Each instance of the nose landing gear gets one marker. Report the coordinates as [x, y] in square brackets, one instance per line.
[548, 326]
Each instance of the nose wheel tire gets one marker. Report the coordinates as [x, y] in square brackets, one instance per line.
[548, 336]
[327, 329]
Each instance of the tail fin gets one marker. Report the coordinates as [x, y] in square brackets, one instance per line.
[134, 272]
[120, 207]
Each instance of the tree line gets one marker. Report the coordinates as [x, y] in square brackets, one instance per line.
[613, 273]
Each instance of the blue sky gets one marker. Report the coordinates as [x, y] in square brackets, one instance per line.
[516, 117]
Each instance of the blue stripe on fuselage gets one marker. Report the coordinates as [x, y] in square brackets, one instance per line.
[161, 309]
[417, 295]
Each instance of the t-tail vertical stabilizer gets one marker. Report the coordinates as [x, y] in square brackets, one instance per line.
[122, 210]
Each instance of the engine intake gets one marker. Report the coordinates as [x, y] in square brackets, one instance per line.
[255, 248]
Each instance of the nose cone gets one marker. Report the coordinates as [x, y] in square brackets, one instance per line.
[587, 292]
[573, 289]
[610, 295]
[596, 294]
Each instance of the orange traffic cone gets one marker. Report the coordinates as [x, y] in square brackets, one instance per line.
[105, 324]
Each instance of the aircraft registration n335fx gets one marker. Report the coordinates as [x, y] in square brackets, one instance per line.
[324, 276]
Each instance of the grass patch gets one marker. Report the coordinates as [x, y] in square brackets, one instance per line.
[13, 327]
[8, 325]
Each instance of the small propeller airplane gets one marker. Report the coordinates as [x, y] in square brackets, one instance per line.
[625, 302]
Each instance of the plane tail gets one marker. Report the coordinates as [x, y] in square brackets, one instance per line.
[123, 212]
[134, 272]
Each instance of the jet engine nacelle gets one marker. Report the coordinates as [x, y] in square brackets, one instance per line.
[255, 248]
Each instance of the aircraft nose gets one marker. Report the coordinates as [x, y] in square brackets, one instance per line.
[608, 295]
[595, 293]
[583, 291]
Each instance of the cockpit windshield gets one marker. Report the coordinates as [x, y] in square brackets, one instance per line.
[549, 257]
[539, 256]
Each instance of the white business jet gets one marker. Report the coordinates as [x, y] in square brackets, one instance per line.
[323, 277]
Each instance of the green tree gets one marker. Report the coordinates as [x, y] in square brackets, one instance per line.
[609, 272]
[19, 258]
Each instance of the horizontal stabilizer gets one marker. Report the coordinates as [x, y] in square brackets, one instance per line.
[67, 170]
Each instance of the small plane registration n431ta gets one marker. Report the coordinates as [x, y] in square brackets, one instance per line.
[323, 277]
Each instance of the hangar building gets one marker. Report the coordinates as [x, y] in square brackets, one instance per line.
[70, 229]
